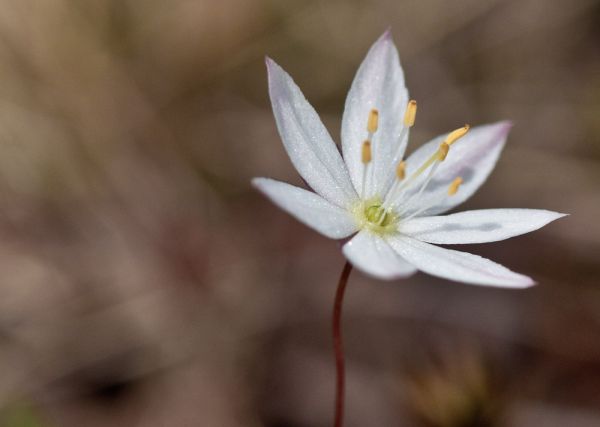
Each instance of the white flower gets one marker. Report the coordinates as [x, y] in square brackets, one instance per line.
[393, 206]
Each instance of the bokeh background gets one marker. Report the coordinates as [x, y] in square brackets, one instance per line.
[143, 282]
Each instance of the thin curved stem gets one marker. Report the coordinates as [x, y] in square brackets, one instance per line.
[339, 347]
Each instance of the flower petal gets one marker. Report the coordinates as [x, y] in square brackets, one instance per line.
[372, 255]
[307, 142]
[472, 158]
[308, 208]
[379, 83]
[456, 265]
[479, 226]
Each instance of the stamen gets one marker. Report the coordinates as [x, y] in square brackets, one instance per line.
[400, 175]
[434, 158]
[366, 159]
[443, 151]
[373, 121]
[410, 114]
[366, 152]
[409, 120]
[453, 188]
[433, 161]
[401, 170]
[455, 135]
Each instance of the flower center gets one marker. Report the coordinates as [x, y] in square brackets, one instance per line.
[377, 215]
[372, 215]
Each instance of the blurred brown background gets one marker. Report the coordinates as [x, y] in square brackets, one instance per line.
[144, 283]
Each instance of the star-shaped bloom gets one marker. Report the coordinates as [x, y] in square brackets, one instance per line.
[391, 207]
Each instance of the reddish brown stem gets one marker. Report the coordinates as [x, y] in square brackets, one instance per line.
[339, 347]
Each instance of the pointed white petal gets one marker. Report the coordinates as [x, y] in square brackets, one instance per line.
[372, 255]
[308, 208]
[379, 83]
[456, 265]
[479, 226]
[307, 142]
[472, 158]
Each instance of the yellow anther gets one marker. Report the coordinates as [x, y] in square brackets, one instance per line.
[373, 121]
[366, 152]
[455, 135]
[401, 170]
[410, 114]
[454, 186]
[443, 151]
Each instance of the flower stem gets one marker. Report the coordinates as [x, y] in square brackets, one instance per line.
[338, 345]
